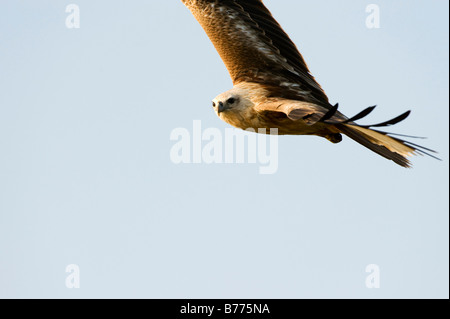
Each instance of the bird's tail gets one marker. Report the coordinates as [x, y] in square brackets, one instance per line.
[382, 143]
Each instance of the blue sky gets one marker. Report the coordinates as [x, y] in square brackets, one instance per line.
[86, 176]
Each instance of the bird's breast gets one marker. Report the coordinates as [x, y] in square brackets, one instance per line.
[242, 119]
[251, 119]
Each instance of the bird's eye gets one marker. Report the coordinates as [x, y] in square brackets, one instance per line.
[231, 100]
[214, 104]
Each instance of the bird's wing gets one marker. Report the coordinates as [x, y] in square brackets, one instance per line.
[311, 113]
[255, 48]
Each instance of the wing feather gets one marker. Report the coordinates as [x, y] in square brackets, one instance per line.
[255, 48]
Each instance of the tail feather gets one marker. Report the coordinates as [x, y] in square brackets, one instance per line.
[381, 143]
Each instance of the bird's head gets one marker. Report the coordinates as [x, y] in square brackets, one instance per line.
[234, 101]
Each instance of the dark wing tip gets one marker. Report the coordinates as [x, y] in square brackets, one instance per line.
[330, 113]
[394, 121]
[361, 115]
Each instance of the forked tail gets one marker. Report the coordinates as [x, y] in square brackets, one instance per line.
[382, 143]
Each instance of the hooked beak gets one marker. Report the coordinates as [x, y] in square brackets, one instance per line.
[222, 108]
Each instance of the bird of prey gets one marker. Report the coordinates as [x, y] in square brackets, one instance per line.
[272, 85]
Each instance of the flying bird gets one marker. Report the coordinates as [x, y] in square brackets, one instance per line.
[273, 87]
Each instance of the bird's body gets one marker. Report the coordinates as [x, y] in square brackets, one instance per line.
[253, 112]
[273, 88]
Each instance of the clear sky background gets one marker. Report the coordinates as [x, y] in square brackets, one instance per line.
[86, 177]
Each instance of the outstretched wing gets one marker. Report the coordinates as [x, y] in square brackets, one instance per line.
[255, 48]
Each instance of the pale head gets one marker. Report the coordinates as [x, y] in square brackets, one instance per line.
[234, 101]
[236, 106]
[230, 101]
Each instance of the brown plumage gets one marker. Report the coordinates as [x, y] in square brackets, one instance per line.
[273, 87]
